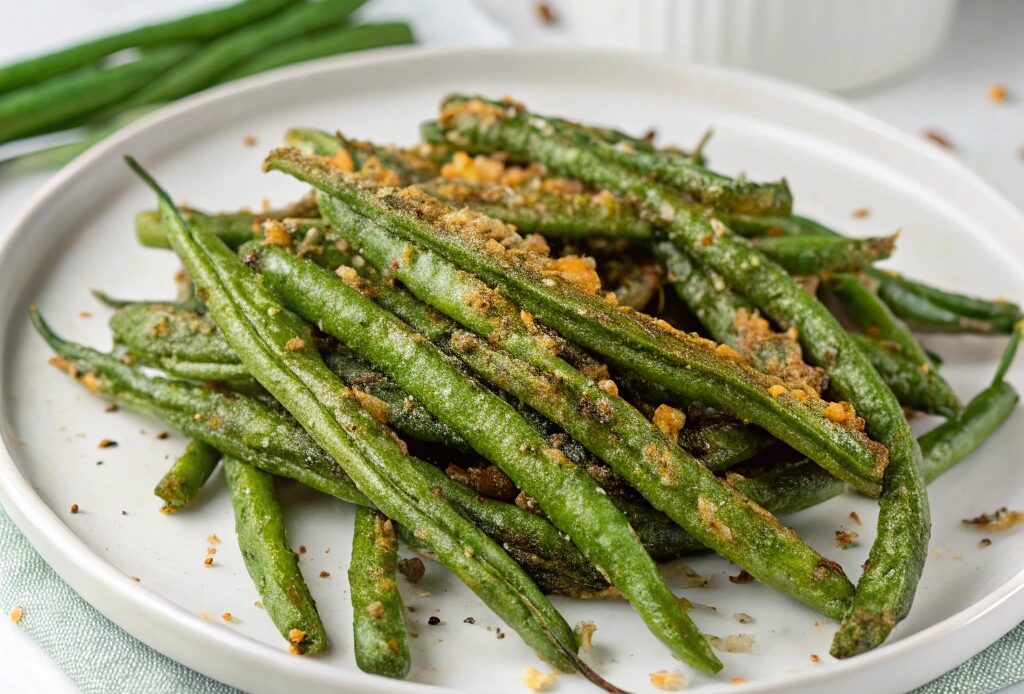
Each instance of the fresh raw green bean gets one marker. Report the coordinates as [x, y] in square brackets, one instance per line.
[378, 614]
[647, 458]
[689, 365]
[187, 476]
[269, 559]
[917, 386]
[58, 155]
[332, 41]
[203, 25]
[276, 347]
[206, 65]
[896, 559]
[43, 107]
[568, 496]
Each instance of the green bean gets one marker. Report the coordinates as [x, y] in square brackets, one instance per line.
[924, 307]
[817, 255]
[409, 164]
[690, 366]
[735, 322]
[568, 496]
[328, 42]
[270, 561]
[921, 313]
[917, 386]
[647, 458]
[205, 66]
[57, 156]
[40, 108]
[1001, 314]
[693, 181]
[799, 485]
[187, 476]
[276, 348]
[721, 443]
[378, 614]
[192, 303]
[182, 343]
[233, 228]
[859, 298]
[236, 425]
[194, 27]
[537, 206]
[896, 559]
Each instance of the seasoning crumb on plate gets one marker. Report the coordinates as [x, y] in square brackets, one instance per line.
[585, 632]
[325, 574]
[537, 681]
[742, 617]
[213, 539]
[846, 538]
[670, 680]
[998, 521]
[815, 658]
[984, 542]
[854, 517]
[741, 577]
[16, 614]
[997, 93]
[250, 141]
[938, 138]
[74, 508]
[861, 213]
[434, 620]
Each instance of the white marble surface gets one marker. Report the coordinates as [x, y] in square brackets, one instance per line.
[948, 94]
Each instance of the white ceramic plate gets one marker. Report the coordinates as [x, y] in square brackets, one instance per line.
[77, 235]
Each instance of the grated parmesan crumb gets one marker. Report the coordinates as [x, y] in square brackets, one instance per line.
[669, 680]
[16, 614]
[537, 681]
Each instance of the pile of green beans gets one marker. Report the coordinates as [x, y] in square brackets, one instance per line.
[82, 86]
[423, 339]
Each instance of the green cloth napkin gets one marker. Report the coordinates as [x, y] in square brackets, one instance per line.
[96, 654]
[100, 657]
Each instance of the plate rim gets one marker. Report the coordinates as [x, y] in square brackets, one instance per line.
[185, 637]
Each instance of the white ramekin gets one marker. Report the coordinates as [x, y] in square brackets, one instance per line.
[829, 44]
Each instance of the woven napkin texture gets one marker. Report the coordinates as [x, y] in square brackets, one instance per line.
[96, 654]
